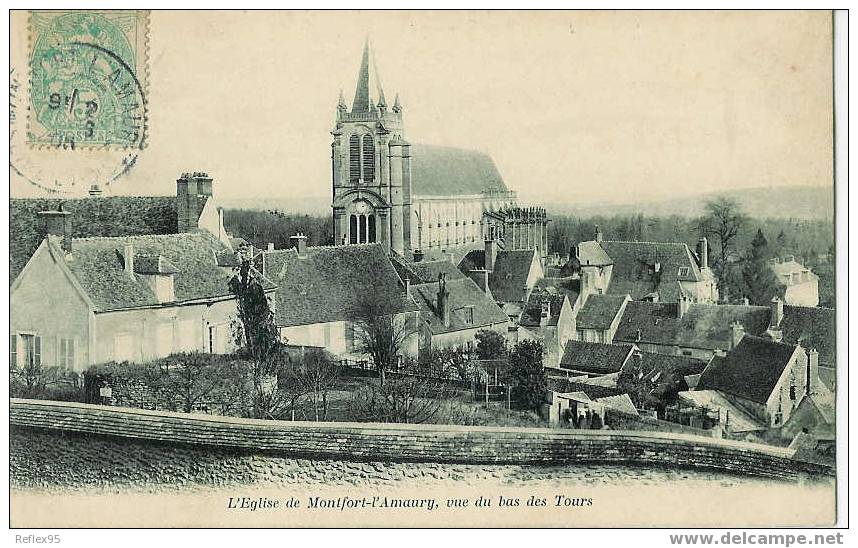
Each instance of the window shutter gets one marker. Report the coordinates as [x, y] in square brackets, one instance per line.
[13, 350]
[368, 159]
[37, 358]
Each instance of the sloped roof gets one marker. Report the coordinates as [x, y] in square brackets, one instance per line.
[446, 171]
[532, 315]
[425, 271]
[595, 358]
[636, 260]
[811, 327]
[509, 277]
[789, 267]
[330, 283]
[704, 326]
[98, 264]
[464, 293]
[621, 402]
[109, 216]
[590, 253]
[750, 371]
[599, 311]
[738, 420]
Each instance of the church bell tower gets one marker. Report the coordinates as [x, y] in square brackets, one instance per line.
[371, 166]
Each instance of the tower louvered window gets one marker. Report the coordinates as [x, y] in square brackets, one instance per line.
[368, 159]
[354, 159]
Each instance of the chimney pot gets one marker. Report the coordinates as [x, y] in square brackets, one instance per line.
[299, 242]
[94, 190]
[491, 252]
[737, 331]
[418, 255]
[777, 312]
[270, 246]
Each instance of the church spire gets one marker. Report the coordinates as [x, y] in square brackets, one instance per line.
[368, 79]
[396, 106]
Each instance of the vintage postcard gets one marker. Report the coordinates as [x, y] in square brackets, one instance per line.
[423, 269]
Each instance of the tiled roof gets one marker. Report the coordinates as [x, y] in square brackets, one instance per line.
[621, 402]
[98, 264]
[446, 171]
[102, 216]
[594, 358]
[599, 311]
[329, 283]
[592, 254]
[750, 371]
[738, 419]
[811, 327]
[464, 294]
[637, 260]
[704, 326]
[789, 267]
[425, 271]
[532, 315]
[509, 277]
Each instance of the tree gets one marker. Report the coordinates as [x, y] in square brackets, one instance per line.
[380, 331]
[315, 374]
[190, 379]
[760, 283]
[38, 381]
[722, 222]
[491, 345]
[414, 395]
[258, 340]
[527, 375]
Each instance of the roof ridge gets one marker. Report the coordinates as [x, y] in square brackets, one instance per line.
[613, 345]
[644, 242]
[135, 237]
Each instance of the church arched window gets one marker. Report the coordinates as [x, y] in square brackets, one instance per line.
[353, 229]
[354, 159]
[361, 228]
[371, 220]
[368, 159]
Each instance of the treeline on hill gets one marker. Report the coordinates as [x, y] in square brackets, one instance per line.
[750, 242]
[273, 226]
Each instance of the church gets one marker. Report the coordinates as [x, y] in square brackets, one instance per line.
[417, 200]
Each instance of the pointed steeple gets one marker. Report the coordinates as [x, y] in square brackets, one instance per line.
[396, 106]
[341, 102]
[368, 79]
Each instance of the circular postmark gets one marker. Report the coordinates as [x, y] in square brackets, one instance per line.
[83, 86]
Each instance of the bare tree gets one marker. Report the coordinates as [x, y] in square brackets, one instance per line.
[722, 220]
[190, 379]
[414, 394]
[315, 373]
[381, 331]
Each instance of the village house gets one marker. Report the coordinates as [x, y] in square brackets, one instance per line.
[549, 316]
[706, 330]
[594, 359]
[653, 271]
[766, 378]
[120, 278]
[597, 320]
[325, 292]
[799, 285]
[453, 311]
[81, 301]
[510, 275]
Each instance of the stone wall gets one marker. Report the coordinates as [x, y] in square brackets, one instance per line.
[414, 443]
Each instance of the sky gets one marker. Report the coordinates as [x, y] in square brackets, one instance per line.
[575, 107]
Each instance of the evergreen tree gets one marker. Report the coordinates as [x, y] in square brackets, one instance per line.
[527, 375]
[759, 280]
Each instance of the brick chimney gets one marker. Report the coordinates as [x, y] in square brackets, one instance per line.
[299, 242]
[193, 190]
[443, 302]
[408, 287]
[812, 374]
[777, 313]
[59, 224]
[418, 255]
[128, 258]
[703, 252]
[737, 331]
[598, 235]
[683, 305]
[270, 246]
[95, 191]
[491, 254]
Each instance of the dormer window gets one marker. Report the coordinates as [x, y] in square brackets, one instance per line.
[469, 315]
[683, 271]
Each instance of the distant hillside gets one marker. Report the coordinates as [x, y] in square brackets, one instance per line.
[775, 203]
[312, 205]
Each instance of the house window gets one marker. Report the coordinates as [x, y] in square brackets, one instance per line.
[32, 349]
[66, 353]
[13, 350]
[469, 315]
[683, 271]
[686, 352]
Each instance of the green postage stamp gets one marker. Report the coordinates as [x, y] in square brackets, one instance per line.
[88, 78]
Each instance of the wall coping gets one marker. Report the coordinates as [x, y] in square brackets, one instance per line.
[368, 428]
